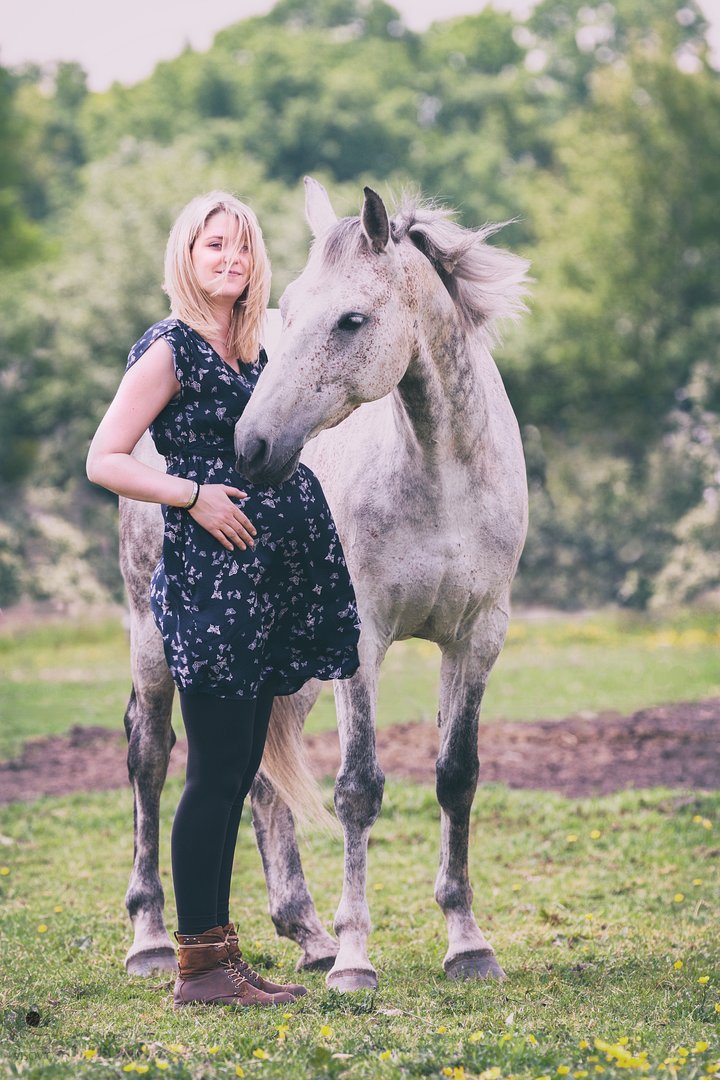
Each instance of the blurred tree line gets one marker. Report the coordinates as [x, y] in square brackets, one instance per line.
[593, 127]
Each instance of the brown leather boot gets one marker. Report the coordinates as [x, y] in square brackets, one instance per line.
[207, 975]
[251, 975]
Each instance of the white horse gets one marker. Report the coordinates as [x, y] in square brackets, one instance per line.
[383, 361]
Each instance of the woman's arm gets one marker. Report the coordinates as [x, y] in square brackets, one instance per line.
[144, 392]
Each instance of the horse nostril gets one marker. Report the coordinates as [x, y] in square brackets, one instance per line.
[253, 454]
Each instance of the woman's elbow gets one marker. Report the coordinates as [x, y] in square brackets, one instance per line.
[93, 466]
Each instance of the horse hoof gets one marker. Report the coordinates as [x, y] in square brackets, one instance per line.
[475, 964]
[351, 979]
[315, 963]
[152, 962]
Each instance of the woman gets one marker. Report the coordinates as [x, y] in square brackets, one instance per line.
[252, 595]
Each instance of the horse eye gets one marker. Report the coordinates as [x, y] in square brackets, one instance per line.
[351, 321]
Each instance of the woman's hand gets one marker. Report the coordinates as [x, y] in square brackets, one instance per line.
[217, 513]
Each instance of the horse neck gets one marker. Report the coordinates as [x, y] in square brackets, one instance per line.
[441, 400]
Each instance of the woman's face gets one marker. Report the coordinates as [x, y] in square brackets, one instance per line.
[215, 251]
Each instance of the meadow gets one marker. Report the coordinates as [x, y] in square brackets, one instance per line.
[603, 912]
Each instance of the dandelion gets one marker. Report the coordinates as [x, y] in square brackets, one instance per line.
[532, 1040]
[697, 881]
[176, 1048]
[282, 1032]
[213, 1049]
[562, 1070]
[599, 1068]
[261, 1054]
[589, 917]
[161, 1064]
[706, 823]
[447, 1071]
[700, 1047]
[704, 979]
[683, 1051]
[42, 928]
[717, 1006]
[441, 1030]
[57, 909]
[595, 834]
[142, 1068]
[580, 1074]
[130, 1067]
[287, 1016]
[678, 898]
[678, 965]
[504, 1038]
[493, 1073]
[378, 886]
[89, 1054]
[478, 1035]
[571, 838]
[516, 888]
[326, 1032]
[623, 1040]
[385, 1055]
[584, 1044]
[239, 1071]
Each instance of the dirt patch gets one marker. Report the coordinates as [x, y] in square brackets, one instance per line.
[673, 746]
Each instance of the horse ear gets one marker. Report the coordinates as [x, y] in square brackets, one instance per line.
[318, 209]
[375, 221]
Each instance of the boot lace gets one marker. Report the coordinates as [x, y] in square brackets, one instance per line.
[237, 976]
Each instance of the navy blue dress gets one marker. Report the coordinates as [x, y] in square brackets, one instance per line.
[280, 613]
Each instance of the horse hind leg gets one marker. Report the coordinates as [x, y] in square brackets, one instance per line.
[150, 740]
[290, 904]
[463, 677]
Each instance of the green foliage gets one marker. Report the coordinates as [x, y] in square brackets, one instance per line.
[595, 129]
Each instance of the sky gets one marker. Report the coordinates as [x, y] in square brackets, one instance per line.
[124, 40]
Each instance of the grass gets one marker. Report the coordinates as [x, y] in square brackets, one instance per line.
[55, 676]
[609, 936]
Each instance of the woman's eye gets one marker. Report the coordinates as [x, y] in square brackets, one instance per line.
[351, 321]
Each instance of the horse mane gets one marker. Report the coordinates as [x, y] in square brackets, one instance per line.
[487, 284]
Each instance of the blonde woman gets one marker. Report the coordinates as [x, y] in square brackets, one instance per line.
[252, 595]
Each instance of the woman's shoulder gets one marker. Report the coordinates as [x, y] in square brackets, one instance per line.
[172, 329]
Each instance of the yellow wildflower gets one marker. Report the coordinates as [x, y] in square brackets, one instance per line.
[385, 1055]
[697, 881]
[130, 1067]
[441, 1030]
[493, 1073]
[504, 1038]
[678, 897]
[678, 965]
[476, 1036]
[595, 834]
[580, 1074]
[700, 1047]
[142, 1068]
[176, 1048]
[589, 917]
[571, 838]
[717, 1006]
[532, 1040]
[697, 819]
[261, 1054]
[89, 1054]
[704, 979]
[239, 1071]
[57, 909]
[683, 1051]
[160, 1063]
[378, 886]
[282, 1032]
[447, 1071]
[584, 1044]
[562, 1070]
[516, 887]
[42, 928]
[458, 1072]
[599, 1068]
[287, 1016]
[326, 1032]
[4, 871]
[213, 1049]
[706, 823]
[623, 1040]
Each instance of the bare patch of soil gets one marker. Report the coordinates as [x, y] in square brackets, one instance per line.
[593, 754]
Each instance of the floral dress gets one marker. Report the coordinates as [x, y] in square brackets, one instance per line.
[280, 613]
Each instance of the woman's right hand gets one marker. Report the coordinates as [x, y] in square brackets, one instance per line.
[217, 513]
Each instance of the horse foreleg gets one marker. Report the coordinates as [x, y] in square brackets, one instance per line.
[358, 798]
[291, 906]
[150, 740]
[463, 677]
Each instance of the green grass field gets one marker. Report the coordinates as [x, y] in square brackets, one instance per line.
[603, 912]
[64, 674]
[609, 936]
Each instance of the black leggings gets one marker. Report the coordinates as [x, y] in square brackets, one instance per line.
[226, 738]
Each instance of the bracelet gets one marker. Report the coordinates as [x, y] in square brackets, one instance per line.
[193, 498]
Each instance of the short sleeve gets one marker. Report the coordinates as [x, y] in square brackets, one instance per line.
[173, 334]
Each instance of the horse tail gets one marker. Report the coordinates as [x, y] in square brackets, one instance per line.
[286, 765]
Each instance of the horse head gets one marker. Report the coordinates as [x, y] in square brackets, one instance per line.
[354, 318]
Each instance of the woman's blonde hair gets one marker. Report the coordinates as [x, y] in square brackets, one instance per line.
[192, 303]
